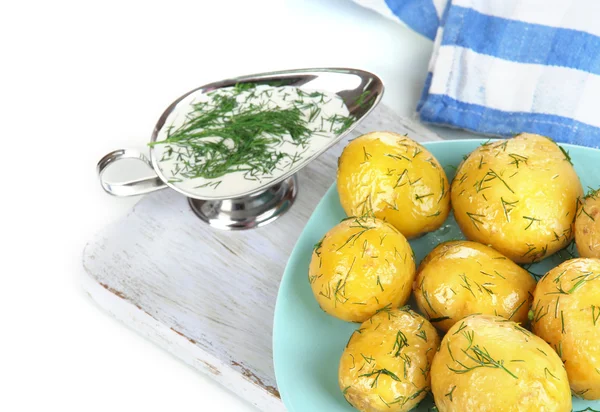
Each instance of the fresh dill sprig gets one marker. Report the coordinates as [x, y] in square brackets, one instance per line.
[517, 159]
[593, 193]
[475, 218]
[367, 359]
[358, 223]
[595, 314]
[449, 394]
[537, 313]
[480, 358]
[508, 207]
[400, 343]
[340, 288]
[366, 155]
[466, 284]
[517, 309]
[387, 309]
[460, 328]
[422, 334]
[566, 153]
[531, 221]
[403, 400]
[582, 280]
[317, 247]
[420, 197]
[581, 208]
[379, 284]
[377, 373]
[426, 296]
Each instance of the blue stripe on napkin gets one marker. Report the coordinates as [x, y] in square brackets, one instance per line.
[419, 15]
[445, 110]
[522, 42]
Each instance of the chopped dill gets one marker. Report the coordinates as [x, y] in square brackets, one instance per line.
[593, 193]
[531, 221]
[507, 207]
[419, 197]
[366, 155]
[399, 157]
[387, 309]
[367, 359]
[379, 283]
[400, 343]
[449, 394]
[460, 328]
[582, 210]
[400, 177]
[547, 372]
[426, 296]
[475, 219]
[241, 129]
[566, 153]
[517, 159]
[480, 358]
[466, 284]
[517, 309]
[377, 373]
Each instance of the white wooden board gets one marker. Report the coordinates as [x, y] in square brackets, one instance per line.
[205, 295]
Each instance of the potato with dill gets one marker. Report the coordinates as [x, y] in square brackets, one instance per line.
[587, 226]
[566, 314]
[518, 195]
[359, 267]
[460, 278]
[385, 366]
[490, 364]
[397, 179]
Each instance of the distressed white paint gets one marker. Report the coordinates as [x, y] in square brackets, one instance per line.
[206, 295]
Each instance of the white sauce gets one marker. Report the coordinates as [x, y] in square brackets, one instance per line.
[236, 184]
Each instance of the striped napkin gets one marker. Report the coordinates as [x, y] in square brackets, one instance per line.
[501, 67]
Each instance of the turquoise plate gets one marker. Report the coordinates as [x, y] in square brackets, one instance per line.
[307, 343]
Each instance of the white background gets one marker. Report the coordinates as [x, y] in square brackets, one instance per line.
[79, 79]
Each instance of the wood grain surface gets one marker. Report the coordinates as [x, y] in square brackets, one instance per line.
[206, 295]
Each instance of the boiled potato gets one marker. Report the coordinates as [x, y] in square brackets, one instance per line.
[519, 196]
[385, 366]
[461, 278]
[395, 178]
[490, 364]
[361, 266]
[587, 227]
[566, 314]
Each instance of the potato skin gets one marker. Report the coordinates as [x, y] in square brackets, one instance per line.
[519, 196]
[359, 267]
[587, 227]
[523, 373]
[460, 278]
[396, 178]
[566, 314]
[399, 342]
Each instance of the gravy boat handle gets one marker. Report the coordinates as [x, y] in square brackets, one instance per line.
[131, 187]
